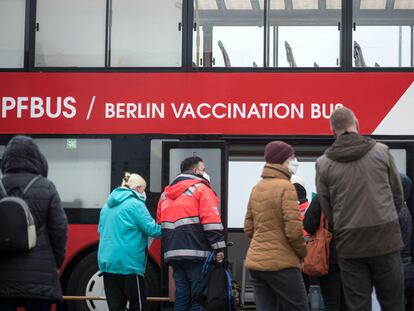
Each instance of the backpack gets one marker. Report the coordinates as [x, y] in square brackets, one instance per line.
[216, 290]
[17, 227]
[316, 262]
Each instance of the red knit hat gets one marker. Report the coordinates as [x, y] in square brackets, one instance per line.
[278, 152]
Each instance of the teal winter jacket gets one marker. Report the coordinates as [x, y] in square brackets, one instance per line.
[124, 227]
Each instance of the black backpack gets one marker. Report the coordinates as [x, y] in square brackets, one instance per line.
[215, 290]
[17, 227]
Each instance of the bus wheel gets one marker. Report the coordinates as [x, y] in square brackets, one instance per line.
[85, 280]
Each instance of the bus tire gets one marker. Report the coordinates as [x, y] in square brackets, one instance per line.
[84, 278]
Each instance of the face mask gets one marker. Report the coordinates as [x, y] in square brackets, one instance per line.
[293, 166]
[142, 194]
[206, 176]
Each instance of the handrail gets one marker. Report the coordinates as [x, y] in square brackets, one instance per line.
[156, 299]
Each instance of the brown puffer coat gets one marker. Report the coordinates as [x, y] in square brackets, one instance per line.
[273, 223]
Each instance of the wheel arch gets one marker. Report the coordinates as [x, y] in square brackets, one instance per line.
[75, 260]
[70, 266]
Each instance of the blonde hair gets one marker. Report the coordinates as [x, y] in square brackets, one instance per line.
[133, 181]
[125, 179]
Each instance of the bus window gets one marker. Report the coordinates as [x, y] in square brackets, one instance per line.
[12, 22]
[298, 33]
[400, 159]
[70, 33]
[307, 35]
[243, 175]
[210, 156]
[383, 33]
[156, 164]
[227, 35]
[304, 44]
[146, 33]
[80, 169]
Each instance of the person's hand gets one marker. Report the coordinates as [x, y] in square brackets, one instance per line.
[220, 257]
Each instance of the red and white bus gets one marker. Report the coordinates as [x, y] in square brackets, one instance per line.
[115, 86]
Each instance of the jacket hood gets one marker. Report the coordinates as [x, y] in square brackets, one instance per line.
[120, 194]
[406, 185]
[349, 147]
[271, 170]
[23, 155]
[181, 183]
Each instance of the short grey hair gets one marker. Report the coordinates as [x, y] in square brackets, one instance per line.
[342, 119]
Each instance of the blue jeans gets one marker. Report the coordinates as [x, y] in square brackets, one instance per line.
[186, 276]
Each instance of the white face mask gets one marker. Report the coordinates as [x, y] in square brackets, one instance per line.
[206, 176]
[144, 194]
[293, 166]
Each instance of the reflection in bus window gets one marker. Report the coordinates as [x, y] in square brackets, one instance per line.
[12, 22]
[232, 33]
[383, 33]
[227, 33]
[308, 44]
[239, 55]
[388, 46]
[80, 169]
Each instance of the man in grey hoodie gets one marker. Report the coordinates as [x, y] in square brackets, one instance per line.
[360, 192]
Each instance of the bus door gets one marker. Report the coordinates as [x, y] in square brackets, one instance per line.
[246, 164]
[245, 167]
[214, 155]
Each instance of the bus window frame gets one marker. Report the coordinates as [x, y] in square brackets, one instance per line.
[346, 55]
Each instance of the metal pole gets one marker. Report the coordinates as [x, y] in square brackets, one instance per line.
[266, 34]
[275, 46]
[399, 46]
[412, 45]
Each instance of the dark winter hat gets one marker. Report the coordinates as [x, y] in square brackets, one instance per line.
[278, 152]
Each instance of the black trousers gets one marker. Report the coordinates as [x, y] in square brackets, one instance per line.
[384, 272]
[332, 292]
[120, 289]
[279, 290]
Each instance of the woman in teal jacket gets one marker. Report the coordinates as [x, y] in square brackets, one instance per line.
[124, 227]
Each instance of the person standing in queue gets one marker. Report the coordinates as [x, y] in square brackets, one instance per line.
[274, 225]
[191, 228]
[29, 278]
[124, 227]
[360, 193]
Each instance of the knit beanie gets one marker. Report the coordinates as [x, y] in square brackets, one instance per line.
[277, 152]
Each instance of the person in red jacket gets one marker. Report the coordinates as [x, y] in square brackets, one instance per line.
[189, 215]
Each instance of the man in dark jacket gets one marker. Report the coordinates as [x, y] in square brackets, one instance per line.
[191, 228]
[360, 193]
[406, 224]
[30, 278]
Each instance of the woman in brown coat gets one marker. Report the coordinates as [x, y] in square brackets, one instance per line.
[274, 226]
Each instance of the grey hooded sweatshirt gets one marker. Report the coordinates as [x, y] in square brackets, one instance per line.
[360, 192]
